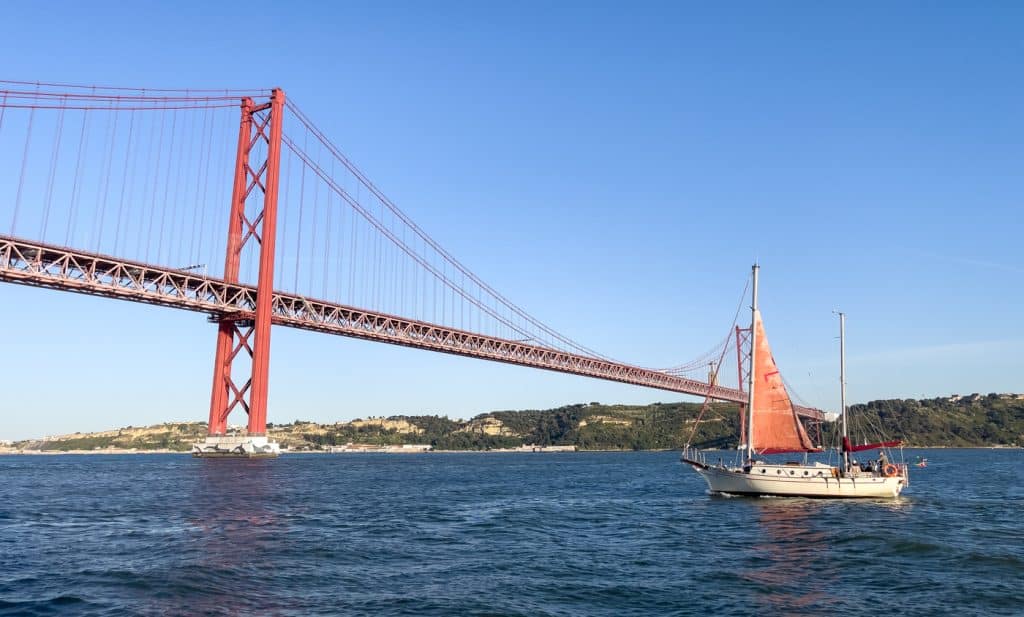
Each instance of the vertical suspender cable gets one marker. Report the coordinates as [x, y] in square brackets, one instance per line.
[105, 178]
[124, 181]
[74, 187]
[284, 213]
[156, 182]
[312, 245]
[197, 206]
[24, 163]
[53, 170]
[167, 187]
[298, 231]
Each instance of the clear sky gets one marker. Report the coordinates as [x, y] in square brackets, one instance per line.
[614, 170]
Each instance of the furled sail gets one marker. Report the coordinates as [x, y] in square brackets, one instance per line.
[777, 428]
[848, 447]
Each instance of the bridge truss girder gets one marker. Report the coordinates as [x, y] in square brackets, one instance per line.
[40, 265]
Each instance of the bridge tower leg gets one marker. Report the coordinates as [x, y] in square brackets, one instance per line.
[742, 342]
[253, 225]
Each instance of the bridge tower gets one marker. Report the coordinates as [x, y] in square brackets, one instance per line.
[252, 226]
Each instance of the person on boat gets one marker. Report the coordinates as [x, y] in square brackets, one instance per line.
[883, 460]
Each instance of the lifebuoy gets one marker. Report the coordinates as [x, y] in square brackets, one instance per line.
[889, 470]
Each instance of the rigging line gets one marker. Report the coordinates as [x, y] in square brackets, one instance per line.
[124, 181]
[74, 187]
[437, 247]
[53, 173]
[728, 338]
[718, 365]
[24, 164]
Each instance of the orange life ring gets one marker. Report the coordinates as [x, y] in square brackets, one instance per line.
[889, 470]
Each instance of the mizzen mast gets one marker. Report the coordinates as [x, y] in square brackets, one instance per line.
[842, 387]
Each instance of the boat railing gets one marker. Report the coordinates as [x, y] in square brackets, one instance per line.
[693, 454]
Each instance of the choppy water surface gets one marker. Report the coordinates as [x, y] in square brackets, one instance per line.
[495, 534]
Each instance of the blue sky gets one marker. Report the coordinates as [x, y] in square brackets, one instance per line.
[614, 171]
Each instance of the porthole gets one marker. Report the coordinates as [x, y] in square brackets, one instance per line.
[791, 472]
[805, 473]
[779, 471]
[763, 470]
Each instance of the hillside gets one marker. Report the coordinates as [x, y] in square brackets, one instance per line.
[974, 420]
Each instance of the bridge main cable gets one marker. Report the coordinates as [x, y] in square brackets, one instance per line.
[43, 265]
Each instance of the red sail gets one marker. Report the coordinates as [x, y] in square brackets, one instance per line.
[777, 428]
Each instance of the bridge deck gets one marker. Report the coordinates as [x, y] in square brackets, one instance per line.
[41, 265]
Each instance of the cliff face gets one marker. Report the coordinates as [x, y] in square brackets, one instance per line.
[959, 421]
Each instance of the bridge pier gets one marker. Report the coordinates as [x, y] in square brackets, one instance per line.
[236, 446]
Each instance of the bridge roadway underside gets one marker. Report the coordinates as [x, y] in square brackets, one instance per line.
[40, 265]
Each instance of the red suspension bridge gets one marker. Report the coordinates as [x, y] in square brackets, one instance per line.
[123, 193]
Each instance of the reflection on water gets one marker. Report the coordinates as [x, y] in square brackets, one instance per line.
[789, 542]
[233, 502]
[795, 568]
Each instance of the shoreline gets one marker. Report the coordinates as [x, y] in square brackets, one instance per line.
[11, 452]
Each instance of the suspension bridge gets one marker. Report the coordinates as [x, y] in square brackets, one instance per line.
[140, 195]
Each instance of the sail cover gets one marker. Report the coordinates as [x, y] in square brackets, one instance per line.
[848, 447]
[777, 428]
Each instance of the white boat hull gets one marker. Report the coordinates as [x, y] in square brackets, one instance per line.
[800, 481]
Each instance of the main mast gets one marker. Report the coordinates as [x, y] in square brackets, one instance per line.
[750, 378]
[842, 387]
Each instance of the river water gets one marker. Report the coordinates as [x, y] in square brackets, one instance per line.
[495, 534]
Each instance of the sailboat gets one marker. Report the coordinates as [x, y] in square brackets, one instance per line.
[773, 427]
